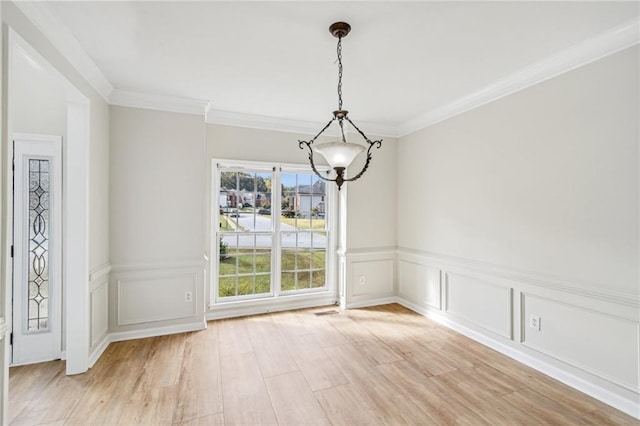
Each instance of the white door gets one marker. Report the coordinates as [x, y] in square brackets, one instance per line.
[37, 261]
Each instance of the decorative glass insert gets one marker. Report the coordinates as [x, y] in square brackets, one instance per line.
[39, 220]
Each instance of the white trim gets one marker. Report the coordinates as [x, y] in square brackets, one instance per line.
[99, 350]
[592, 290]
[461, 315]
[76, 237]
[157, 331]
[75, 207]
[45, 19]
[607, 43]
[553, 354]
[256, 307]
[372, 251]
[186, 263]
[590, 50]
[253, 121]
[372, 302]
[158, 102]
[99, 272]
[623, 404]
[4, 327]
[264, 165]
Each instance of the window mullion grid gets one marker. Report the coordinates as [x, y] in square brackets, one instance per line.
[311, 252]
[276, 244]
[276, 235]
[237, 261]
[255, 242]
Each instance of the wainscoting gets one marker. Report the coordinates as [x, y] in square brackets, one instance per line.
[98, 311]
[585, 338]
[370, 277]
[150, 299]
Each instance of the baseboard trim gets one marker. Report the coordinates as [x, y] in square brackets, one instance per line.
[240, 309]
[120, 336]
[625, 405]
[99, 350]
[372, 302]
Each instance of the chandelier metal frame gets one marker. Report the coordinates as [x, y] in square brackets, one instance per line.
[340, 30]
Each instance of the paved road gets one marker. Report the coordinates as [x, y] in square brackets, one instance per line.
[260, 223]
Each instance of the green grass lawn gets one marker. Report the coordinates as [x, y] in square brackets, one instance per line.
[300, 270]
[303, 223]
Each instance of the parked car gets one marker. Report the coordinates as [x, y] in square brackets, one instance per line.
[264, 211]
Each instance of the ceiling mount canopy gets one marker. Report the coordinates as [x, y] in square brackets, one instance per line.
[340, 154]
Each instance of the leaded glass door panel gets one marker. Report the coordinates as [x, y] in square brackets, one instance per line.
[37, 246]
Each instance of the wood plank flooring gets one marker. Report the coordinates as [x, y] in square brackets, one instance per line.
[381, 365]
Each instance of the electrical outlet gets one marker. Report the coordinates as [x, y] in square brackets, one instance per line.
[362, 280]
[187, 296]
[534, 322]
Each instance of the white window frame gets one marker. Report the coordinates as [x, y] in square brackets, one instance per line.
[331, 218]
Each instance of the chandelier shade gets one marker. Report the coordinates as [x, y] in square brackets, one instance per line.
[340, 154]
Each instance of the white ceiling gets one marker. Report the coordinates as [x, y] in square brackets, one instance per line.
[277, 59]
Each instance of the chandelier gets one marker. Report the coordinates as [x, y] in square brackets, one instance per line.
[340, 154]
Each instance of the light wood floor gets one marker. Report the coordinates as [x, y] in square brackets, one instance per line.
[382, 365]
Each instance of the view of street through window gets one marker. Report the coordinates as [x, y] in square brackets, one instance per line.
[249, 233]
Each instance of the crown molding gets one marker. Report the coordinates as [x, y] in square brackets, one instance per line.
[46, 21]
[607, 43]
[158, 102]
[287, 125]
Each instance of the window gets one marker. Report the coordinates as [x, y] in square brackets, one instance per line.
[271, 231]
[303, 236]
[245, 236]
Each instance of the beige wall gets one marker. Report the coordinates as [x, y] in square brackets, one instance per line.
[157, 221]
[157, 182]
[240, 143]
[527, 208]
[37, 100]
[545, 180]
[371, 200]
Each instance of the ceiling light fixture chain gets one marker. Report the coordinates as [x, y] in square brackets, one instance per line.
[339, 51]
[340, 154]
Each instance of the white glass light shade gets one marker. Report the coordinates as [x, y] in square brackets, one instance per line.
[339, 154]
